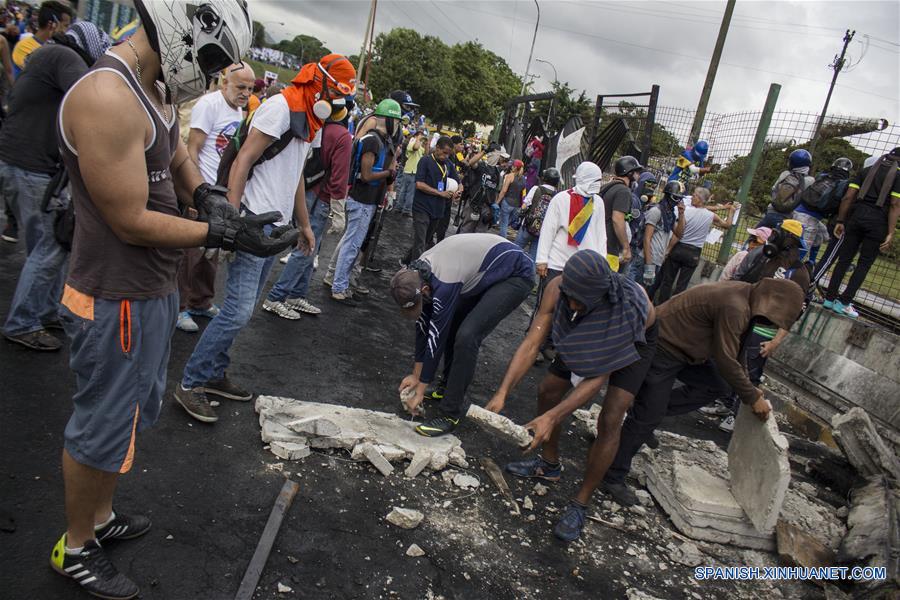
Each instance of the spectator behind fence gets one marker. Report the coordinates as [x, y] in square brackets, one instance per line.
[874, 198]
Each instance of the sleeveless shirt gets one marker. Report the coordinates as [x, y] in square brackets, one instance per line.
[101, 264]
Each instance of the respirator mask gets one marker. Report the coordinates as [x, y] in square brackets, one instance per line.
[325, 106]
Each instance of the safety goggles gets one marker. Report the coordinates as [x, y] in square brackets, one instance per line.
[344, 88]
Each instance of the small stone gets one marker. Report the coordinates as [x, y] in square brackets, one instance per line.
[466, 482]
[467, 576]
[617, 520]
[531, 518]
[842, 512]
[377, 459]
[687, 554]
[293, 560]
[540, 489]
[630, 551]
[415, 550]
[214, 403]
[405, 518]
[448, 475]
[284, 589]
[170, 537]
[527, 504]
[644, 497]
[278, 467]
[638, 509]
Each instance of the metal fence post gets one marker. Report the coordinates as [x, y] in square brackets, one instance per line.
[759, 142]
[651, 121]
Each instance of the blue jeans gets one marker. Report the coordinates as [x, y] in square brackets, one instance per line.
[525, 240]
[635, 270]
[358, 218]
[294, 279]
[508, 214]
[39, 288]
[406, 190]
[247, 275]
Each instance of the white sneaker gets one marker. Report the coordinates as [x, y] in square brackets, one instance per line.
[284, 259]
[717, 409]
[281, 309]
[727, 424]
[315, 262]
[303, 305]
[186, 323]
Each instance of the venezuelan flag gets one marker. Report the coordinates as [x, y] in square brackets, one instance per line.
[120, 34]
[580, 213]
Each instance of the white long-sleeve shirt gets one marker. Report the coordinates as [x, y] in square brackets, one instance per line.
[553, 245]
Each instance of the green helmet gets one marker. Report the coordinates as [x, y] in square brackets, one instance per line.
[388, 108]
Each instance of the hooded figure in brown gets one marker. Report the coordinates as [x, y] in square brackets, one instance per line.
[701, 333]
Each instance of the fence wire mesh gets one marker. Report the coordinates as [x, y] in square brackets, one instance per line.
[730, 136]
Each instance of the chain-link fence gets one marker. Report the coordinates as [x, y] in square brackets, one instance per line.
[730, 137]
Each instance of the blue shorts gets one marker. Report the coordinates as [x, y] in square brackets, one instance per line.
[119, 353]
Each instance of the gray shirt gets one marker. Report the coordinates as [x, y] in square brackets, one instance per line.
[697, 223]
[660, 240]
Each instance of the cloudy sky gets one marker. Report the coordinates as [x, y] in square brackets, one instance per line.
[621, 47]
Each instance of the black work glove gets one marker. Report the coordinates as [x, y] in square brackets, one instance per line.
[246, 234]
[211, 200]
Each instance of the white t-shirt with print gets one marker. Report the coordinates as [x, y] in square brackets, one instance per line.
[275, 181]
[213, 116]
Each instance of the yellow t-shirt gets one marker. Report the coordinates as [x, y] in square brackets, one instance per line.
[253, 104]
[23, 48]
[413, 156]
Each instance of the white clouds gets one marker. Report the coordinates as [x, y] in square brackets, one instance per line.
[620, 47]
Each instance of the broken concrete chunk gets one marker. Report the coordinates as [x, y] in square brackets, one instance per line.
[466, 482]
[636, 594]
[527, 503]
[378, 461]
[540, 489]
[414, 550]
[419, 461]
[874, 536]
[405, 518]
[284, 589]
[499, 423]
[644, 497]
[407, 396]
[315, 426]
[587, 418]
[390, 452]
[687, 554]
[862, 444]
[273, 431]
[448, 475]
[289, 450]
[759, 468]
[797, 548]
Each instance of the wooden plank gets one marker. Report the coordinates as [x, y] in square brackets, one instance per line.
[266, 540]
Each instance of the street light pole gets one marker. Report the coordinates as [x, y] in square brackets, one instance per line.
[531, 52]
[555, 78]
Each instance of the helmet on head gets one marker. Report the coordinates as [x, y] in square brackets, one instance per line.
[626, 165]
[388, 108]
[799, 158]
[843, 165]
[550, 176]
[404, 100]
[195, 40]
[674, 189]
[701, 149]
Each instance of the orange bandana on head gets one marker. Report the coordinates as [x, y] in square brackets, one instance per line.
[306, 88]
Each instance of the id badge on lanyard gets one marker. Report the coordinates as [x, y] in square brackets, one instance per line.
[442, 184]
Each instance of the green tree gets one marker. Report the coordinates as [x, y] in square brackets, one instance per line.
[563, 107]
[259, 35]
[306, 47]
[483, 83]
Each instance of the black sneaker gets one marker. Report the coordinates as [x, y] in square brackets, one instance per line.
[225, 388]
[436, 392]
[620, 492]
[123, 527]
[10, 233]
[652, 442]
[39, 340]
[437, 427]
[93, 571]
[195, 402]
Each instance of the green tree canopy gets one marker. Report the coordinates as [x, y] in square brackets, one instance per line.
[453, 84]
[306, 47]
[259, 35]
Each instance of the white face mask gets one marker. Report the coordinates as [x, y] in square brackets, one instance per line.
[587, 179]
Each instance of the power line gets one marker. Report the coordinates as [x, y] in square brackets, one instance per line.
[435, 4]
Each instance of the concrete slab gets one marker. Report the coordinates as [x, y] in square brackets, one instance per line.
[377, 459]
[500, 424]
[289, 450]
[759, 468]
[419, 461]
[344, 427]
[865, 449]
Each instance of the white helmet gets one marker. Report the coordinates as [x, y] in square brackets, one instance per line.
[195, 40]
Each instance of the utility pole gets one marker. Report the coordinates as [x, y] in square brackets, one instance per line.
[711, 74]
[365, 44]
[837, 66]
[531, 52]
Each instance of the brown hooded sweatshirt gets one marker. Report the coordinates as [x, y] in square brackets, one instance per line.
[710, 321]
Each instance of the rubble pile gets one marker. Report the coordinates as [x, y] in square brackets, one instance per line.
[292, 427]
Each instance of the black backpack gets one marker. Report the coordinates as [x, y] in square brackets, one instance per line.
[825, 194]
[58, 202]
[234, 146]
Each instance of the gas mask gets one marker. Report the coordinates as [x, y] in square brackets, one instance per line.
[325, 106]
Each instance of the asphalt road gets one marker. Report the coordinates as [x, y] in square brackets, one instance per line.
[209, 491]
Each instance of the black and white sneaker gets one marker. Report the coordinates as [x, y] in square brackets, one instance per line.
[93, 571]
[123, 527]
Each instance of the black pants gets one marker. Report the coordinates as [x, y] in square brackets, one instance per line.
[756, 364]
[677, 270]
[440, 230]
[423, 232]
[701, 384]
[475, 318]
[863, 233]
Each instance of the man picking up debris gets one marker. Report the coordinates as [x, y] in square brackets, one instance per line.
[601, 323]
[700, 334]
[458, 291]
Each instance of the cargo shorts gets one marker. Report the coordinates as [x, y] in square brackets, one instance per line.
[119, 351]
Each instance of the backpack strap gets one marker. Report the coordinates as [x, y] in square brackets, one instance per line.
[886, 185]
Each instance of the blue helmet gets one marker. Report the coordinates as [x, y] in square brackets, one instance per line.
[701, 148]
[799, 158]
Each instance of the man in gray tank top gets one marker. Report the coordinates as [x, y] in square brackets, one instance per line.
[129, 170]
